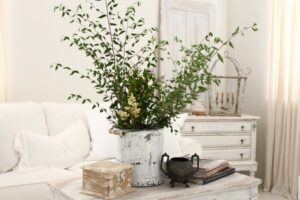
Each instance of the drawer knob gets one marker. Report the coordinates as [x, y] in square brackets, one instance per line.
[242, 141]
[243, 127]
[193, 128]
[242, 156]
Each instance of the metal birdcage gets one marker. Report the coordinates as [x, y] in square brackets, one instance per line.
[227, 98]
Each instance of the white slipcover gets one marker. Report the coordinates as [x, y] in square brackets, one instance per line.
[61, 151]
[59, 116]
[14, 117]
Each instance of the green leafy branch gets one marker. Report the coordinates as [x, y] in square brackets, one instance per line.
[125, 55]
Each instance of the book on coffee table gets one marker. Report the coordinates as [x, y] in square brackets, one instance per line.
[209, 166]
[206, 174]
[202, 181]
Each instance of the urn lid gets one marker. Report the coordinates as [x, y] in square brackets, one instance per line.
[107, 167]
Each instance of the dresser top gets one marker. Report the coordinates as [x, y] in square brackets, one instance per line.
[207, 117]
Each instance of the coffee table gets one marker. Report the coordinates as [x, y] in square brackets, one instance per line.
[233, 187]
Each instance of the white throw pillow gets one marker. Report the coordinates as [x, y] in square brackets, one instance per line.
[59, 116]
[104, 145]
[14, 117]
[60, 151]
[172, 140]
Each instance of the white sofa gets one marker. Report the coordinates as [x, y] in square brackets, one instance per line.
[45, 119]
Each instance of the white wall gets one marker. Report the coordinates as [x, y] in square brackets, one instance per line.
[252, 51]
[33, 34]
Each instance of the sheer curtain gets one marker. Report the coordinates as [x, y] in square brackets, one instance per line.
[2, 65]
[283, 135]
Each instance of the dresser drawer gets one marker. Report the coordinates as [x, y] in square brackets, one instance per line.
[217, 127]
[231, 154]
[242, 140]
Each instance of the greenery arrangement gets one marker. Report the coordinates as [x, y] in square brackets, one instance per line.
[125, 55]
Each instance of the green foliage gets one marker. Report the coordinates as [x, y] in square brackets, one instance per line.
[125, 57]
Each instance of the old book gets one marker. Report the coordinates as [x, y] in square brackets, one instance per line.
[214, 177]
[200, 174]
[209, 164]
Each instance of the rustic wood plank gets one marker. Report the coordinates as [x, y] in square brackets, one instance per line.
[107, 179]
[233, 187]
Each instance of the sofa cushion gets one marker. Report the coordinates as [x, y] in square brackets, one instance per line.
[172, 140]
[78, 168]
[103, 144]
[190, 146]
[61, 115]
[34, 176]
[14, 117]
[61, 151]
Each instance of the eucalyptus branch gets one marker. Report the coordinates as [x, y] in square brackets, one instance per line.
[94, 7]
[234, 34]
[124, 75]
[125, 42]
[73, 72]
[83, 100]
[110, 31]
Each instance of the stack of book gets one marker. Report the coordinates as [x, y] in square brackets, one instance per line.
[211, 170]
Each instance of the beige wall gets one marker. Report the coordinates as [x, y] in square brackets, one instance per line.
[252, 51]
[33, 34]
[33, 42]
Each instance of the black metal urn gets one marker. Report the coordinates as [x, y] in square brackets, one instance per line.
[179, 169]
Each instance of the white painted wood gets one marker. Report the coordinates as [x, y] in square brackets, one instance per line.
[143, 150]
[228, 154]
[233, 187]
[298, 187]
[230, 138]
[222, 118]
[217, 127]
[212, 141]
[188, 20]
[243, 165]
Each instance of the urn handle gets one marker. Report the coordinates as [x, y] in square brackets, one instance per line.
[162, 163]
[198, 161]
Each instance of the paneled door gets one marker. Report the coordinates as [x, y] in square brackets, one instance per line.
[188, 20]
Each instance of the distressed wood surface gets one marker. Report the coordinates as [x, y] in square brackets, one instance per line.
[230, 138]
[233, 187]
[221, 118]
[107, 179]
[143, 150]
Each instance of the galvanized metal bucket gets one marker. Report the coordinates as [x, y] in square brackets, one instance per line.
[143, 150]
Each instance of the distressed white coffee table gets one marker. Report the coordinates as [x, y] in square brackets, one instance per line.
[233, 187]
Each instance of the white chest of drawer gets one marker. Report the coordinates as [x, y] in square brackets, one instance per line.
[230, 138]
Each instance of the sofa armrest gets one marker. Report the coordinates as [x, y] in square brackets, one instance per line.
[190, 146]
